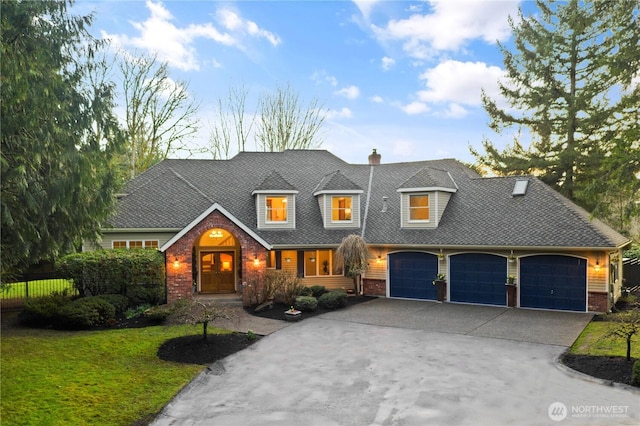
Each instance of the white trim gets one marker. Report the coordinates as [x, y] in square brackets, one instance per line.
[339, 192]
[427, 188]
[274, 191]
[232, 218]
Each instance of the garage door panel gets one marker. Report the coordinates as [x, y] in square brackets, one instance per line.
[553, 282]
[410, 275]
[478, 278]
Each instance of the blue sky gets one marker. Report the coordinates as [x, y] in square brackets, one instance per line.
[403, 77]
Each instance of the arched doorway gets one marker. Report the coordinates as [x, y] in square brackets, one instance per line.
[217, 252]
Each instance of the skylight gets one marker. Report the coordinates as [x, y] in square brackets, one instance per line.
[520, 188]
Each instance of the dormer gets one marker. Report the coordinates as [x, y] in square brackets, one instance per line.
[275, 203]
[424, 197]
[339, 201]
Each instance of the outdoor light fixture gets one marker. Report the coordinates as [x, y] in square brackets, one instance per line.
[379, 260]
[287, 259]
[512, 258]
[176, 262]
[256, 261]
[441, 255]
[597, 266]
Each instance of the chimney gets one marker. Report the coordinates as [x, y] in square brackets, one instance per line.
[374, 158]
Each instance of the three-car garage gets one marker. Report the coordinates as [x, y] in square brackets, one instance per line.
[557, 282]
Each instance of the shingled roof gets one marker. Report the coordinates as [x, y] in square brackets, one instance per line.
[480, 212]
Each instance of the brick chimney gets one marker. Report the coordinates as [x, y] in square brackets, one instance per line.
[374, 158]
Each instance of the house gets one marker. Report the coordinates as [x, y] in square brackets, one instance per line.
[222, 224]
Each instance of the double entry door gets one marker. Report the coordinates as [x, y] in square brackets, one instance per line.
[217, 272]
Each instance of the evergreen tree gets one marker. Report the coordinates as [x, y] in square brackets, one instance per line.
[569, 85]
[58, 134]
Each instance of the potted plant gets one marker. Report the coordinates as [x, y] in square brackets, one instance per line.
[441, 282]
[511, 291]
[292, 314]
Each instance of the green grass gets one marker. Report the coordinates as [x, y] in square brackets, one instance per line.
[36, 288]
[88, 378]
[591, 342]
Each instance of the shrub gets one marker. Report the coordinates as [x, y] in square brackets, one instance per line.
[318, 290]
[87, 312]
[137, 311]
[44, 311]
[158, 314]
[306, 303]
[333, 300]
[286, 285]
[118, 301]
[306, 292]
[137, 274]
[635, 374]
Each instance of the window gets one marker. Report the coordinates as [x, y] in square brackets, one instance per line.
[276, 209]
[135, 244]
[320, 263]
[341, 209]
[419, 208]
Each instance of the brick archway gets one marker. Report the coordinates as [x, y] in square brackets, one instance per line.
[179, 259]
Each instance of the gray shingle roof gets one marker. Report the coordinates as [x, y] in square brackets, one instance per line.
[482, 212]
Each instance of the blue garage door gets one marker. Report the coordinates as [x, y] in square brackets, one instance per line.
[411, 274]
[478, 278]
[553, 282]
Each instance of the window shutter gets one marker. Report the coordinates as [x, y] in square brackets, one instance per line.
[278, 259]
[300, 264]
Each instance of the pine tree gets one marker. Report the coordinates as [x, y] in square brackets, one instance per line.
[568, 82]
[58, 133]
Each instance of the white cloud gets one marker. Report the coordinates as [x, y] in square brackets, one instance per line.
[365, 6]
[460, 82]
[376, 99]
[322, 76]
[403, 148]
[449, 25]
[387, 63]
[335, 114]
[175, 45]
[350, 92]
[455, 111]
[415, 108]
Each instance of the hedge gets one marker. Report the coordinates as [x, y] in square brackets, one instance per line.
[137, 274]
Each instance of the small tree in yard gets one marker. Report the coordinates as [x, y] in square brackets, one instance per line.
[625, 325]
[198, 312]
[353, 256]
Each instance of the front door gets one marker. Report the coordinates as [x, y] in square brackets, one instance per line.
[217, 272]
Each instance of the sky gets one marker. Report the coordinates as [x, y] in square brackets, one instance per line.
[401, 77]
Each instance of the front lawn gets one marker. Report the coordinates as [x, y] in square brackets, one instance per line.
[591, 342]
[110, 377]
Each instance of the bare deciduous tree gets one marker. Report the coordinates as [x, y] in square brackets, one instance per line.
[286, 124]
[281, 122]
[160, 113]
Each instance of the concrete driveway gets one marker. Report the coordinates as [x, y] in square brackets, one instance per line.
[395, 362]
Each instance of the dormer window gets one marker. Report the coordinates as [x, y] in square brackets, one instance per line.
[276, 209]
[419, 208]
[341, 208]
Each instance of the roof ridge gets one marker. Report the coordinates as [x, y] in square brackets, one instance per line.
[195, 188]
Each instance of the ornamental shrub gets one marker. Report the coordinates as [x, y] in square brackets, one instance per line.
[306, 292]
[635, 374]
[86, 312]
[286, 285]
[44, 311]
[333, 300]
[137, 274]
[118, 301]
[318, 290]
[306, 303]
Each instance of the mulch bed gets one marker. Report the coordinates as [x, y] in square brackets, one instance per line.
[613, 368]
[195, 350]
[277, 312]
